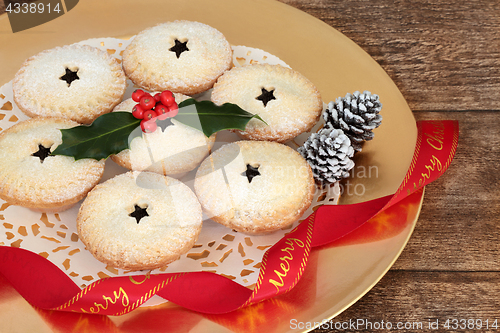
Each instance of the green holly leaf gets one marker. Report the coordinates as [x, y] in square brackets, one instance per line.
[108, 134]
[112, 132]
[211, 118]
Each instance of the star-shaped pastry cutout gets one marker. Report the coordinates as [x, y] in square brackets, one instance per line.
[70, 76]
[251, 172]
[139, 213]
[266, 96]
[163, 124]
[42, 153]
[179, 47]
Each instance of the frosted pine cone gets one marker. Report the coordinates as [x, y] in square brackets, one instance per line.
[329, 153]
[357, 115]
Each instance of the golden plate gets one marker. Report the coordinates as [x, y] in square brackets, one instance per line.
[338, 275]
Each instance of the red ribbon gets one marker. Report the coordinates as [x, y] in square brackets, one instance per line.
[45, 286]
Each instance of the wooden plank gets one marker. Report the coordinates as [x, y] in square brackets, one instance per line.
[459, 227]
[423, 297]
[443, 55]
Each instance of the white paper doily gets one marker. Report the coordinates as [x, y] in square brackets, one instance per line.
[218, 249]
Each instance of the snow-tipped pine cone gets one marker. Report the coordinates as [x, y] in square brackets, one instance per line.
[329, 153]
[356, 114]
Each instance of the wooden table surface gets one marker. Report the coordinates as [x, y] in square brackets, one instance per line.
[444, 55]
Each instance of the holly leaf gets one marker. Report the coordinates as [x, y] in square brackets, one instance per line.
[112, 132]
[108, 134]
[211, 118]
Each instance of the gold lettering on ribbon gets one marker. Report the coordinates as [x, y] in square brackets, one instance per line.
[148, 276]
[435, 138]
[285, 262]
[120, 294]
[435, 163]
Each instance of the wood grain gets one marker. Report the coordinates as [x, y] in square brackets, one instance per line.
[420, 297]
[458, 228]
[442, 54]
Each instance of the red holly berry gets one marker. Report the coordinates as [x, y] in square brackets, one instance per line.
[147, 102]
[149, 114]
[162, 116]
[161, 109]
[157, 97]
[167, 98]
[173, 110]
[148, 126]
[138, 111]
[137, 94]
